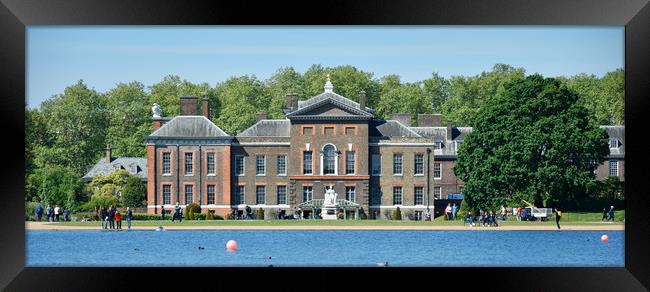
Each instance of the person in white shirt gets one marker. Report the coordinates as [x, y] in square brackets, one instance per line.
[57, 212]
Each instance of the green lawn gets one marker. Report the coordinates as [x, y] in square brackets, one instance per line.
[567, 218]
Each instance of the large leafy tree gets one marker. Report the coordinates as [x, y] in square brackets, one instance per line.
[129, 119]
[134, 193]
[57, 185]
[77, 121]
[532, 141]
[166, 94]
[241, 97]
[405, 98]
[285, 80]
[348, 81]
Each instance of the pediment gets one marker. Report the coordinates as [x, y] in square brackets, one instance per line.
[330, 109]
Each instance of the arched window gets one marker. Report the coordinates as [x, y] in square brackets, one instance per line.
[329, 159]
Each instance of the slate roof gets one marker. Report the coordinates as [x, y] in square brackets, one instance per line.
[134, 165]
[189, 127]
[437, 133]
[390, 128]
[268, 128]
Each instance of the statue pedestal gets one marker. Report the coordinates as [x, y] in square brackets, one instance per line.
[329, 212]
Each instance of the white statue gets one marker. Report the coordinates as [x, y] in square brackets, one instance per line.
[330, 197]
[157, 111]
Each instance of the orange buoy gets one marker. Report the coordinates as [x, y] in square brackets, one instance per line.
[231, 245]
[604, 238]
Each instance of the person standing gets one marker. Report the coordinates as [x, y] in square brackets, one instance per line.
[129, 216]
[57, 212]
[454, 209]
[162, 212]
[504, 212]
[66, 214]
[118, 219]
[611, 213]
[519, 211]
[604, 215]
[558, 216]
[39, 212]
[103, 215]
[111, 217]
[48, 213]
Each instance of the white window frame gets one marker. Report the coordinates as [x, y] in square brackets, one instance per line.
[401, 196]
[169, 189]
[415, 196]
[322, 159]
[257, 198]
[311, 165]
[439, 190]
[277, 190]
[207, 161]
[243, 164]
[611, 141]
[257, 166]
[610, 169]
[354, 161]
[401, 168]
[189, 171]
[351, 192]
[439, 170]
[415, 164]
[278, 165]
[169, 162]
[214, 194]
[241, 196]
[311, 193]
[191, 188]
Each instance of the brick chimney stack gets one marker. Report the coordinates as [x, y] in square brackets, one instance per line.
[260, 116]
[189, 106]
[292, 102]
[404, 118]
[450, 128]
[108, 153]
[429, 120]
[205, 107]
[362, 100]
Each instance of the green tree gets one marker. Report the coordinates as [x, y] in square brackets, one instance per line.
[134, 193]
[285, 80]
[348, 81]
[241, 98]
[166, 94]
[129, 119]
[57, 185]
[406, 98]
[532, 141]
[77, 121]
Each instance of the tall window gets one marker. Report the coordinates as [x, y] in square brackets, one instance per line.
[189, 163]
[260, 165]
[419, 164]
[189, 191]
[376, 164]
[613, 168]
[260, 194]
[329, 159]
[211, 163]
[437, 173]
[239, 194]
[282, 165]
[350, 193]
[397, 195]
[306, 162]
[210, 194]
[437, 191]
[239, 165]
[307, 193]
[349, 162]
[282, 195]
[166, 163]
[418, 195]
[167, 194]
[375, 195]
[397, 163]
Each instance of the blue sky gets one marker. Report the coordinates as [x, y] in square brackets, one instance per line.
[103, 56]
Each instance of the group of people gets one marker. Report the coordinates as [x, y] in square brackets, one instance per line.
[112, 219]
[608, 215]
[52, 214]
[450, 211]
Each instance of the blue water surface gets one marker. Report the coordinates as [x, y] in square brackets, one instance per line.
[324, 248]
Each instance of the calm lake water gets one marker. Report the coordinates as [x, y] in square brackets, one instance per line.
[324, 248]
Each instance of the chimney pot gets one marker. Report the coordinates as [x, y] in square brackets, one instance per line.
[108, 153]
[362, 100]
[189, 106]
[206, 107]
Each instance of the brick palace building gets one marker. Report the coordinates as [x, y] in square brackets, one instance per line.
[328, 140]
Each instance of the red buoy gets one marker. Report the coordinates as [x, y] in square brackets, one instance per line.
[231, 245]
[604, 238]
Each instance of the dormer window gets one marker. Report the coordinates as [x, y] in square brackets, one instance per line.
[438, 145]
[614, 143]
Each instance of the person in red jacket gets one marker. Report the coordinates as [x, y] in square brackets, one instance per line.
[118, 219]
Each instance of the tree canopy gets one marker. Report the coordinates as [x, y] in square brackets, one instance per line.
[533, 141]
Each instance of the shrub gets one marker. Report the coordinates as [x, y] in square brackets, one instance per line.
[191, 210]
[198, 216]
[145, 216]
[30, 210]
[209, 215]
[397, 214]
[260, 214]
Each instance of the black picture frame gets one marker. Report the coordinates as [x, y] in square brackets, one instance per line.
[15, 15]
